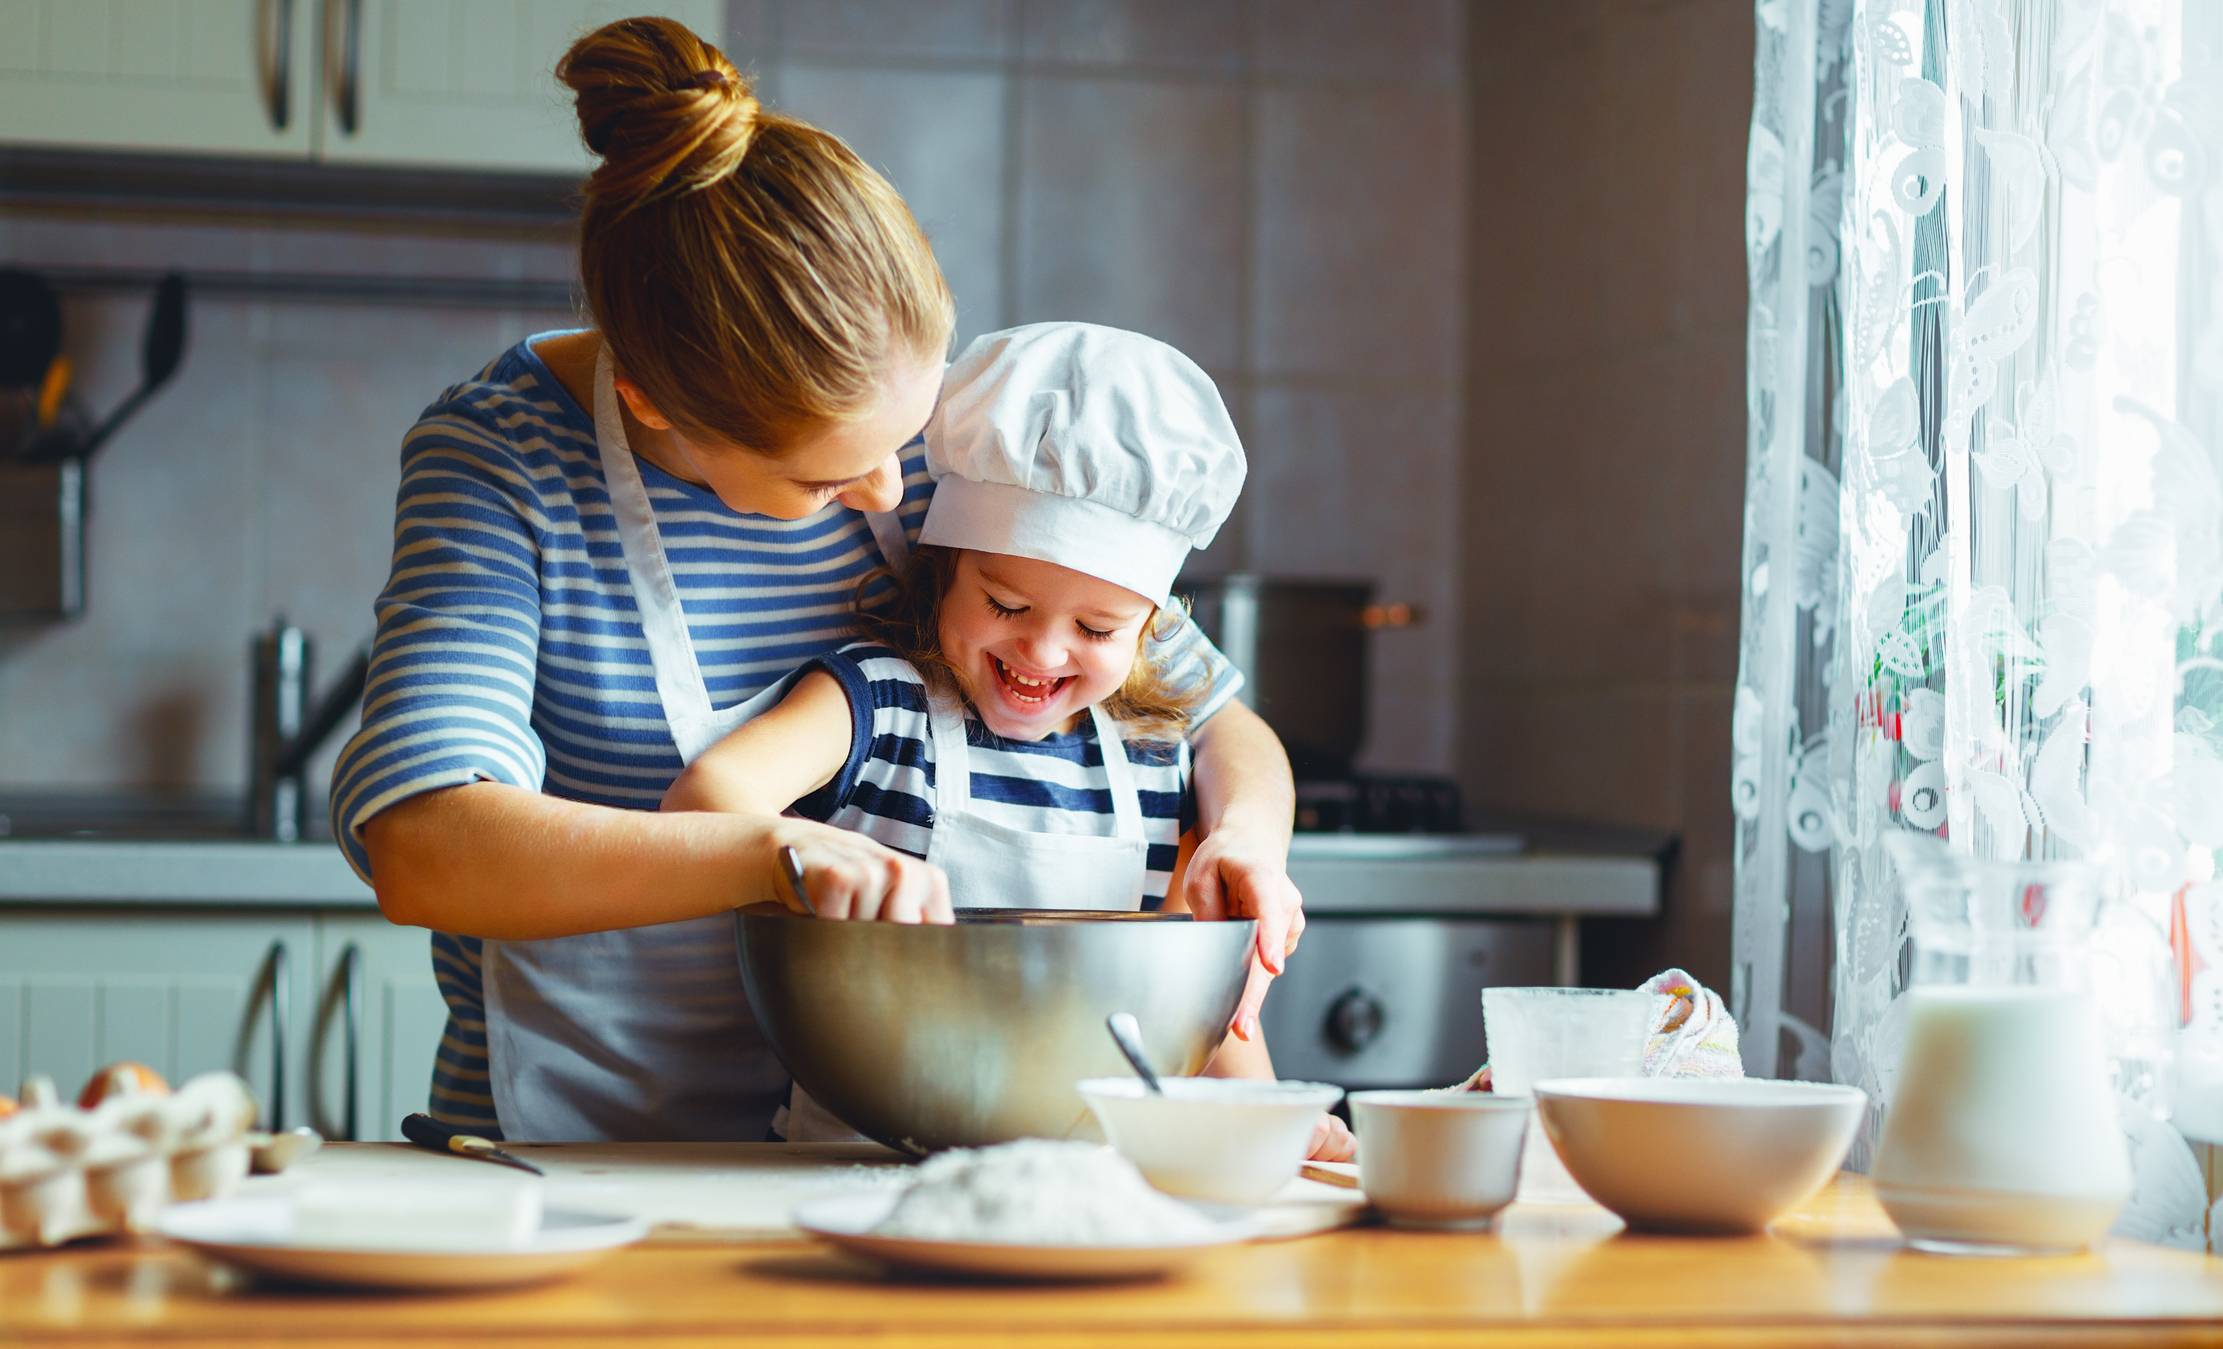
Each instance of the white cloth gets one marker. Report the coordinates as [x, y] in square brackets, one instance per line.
[1692, 1033]
[638, 1033]
[1100, 450]
[991, 865]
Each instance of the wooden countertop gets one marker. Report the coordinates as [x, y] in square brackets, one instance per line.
[1833, 1272]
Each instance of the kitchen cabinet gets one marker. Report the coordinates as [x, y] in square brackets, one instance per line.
[302, 1003]
[217, 76]
[182, 992]
[422, 83]
[435, 82]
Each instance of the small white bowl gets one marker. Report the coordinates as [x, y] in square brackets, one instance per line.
[1221, 1140]
[1699, 1154]
[1439, 1159]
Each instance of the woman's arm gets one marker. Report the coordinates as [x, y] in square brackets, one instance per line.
[492, 860]
[489, 860]
[1246, 808]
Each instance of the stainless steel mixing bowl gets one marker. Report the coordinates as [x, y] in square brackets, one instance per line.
[959, 1036]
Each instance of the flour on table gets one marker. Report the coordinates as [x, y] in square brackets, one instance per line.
[1040, 1193]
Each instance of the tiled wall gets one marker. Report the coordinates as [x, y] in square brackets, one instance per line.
[1276, 187]
[1604, 475]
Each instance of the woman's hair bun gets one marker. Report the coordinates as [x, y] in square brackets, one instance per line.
[665, 110]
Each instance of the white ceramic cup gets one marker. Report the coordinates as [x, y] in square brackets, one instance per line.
[1439, 1159]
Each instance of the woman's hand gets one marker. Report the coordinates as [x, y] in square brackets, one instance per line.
[1331, 1141]
[850, 876]
[1233, 876]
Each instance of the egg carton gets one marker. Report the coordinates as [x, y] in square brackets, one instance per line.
[69, 1171]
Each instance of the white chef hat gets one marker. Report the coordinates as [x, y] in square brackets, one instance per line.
[1096, 449]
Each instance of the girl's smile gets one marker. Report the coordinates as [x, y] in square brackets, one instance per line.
[1035, 644]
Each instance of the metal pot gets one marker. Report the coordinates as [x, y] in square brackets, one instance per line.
[1302, 648]
[959, 1036]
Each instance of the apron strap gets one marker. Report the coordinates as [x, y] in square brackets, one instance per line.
[671, 651]
[1118, 775]
[953, 773]
[887, 531]
[953, 777]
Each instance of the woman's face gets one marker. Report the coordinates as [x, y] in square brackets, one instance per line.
[1034, 643]
[853, 462]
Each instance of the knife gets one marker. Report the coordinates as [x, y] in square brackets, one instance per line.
[427, 1132]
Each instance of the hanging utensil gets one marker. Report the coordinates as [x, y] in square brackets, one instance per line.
[160, 355]
[30, 345]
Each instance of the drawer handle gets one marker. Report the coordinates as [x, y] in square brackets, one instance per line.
[347, 89]
[270, 979]
[281, 68]
[351, 984]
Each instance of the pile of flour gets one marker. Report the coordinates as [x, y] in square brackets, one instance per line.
[1040, 1193]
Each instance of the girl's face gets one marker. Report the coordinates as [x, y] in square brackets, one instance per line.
[851, 462]
[1034, 643]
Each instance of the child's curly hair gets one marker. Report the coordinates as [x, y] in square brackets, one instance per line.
[1151, 704]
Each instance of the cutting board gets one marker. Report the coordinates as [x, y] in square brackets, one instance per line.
[717, 1193]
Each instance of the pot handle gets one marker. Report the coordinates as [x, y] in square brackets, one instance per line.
[1375, 617]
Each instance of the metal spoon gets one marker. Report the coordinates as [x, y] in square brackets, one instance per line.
[791, 865]
[1128, 1036]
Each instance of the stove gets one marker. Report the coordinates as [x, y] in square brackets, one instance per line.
[1409, 917]
[1366, 803]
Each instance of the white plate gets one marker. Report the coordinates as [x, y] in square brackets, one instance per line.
[252, 1233]
[847, 1222]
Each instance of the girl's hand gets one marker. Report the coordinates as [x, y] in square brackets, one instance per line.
[1229, 878]
[1331, 1141]
[850, 876]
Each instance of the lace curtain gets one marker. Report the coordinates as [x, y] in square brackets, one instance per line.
[1984, 518]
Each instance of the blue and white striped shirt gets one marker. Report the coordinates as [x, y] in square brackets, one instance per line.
[1055, 785]
[509, 647]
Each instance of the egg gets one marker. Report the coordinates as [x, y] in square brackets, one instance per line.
[122, 1079]
[8, 1106]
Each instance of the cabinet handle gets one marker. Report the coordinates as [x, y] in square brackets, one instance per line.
[281, 68]
[342, 995]
[347, 89]
[351, 984]
[270, 978]
[281, 1016]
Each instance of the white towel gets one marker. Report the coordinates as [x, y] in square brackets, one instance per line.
[1693, 1034]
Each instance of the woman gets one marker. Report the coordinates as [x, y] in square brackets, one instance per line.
[609, 547]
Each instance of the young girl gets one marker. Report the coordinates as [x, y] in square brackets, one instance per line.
[1012, 719]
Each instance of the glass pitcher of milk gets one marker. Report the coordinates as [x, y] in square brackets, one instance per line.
[2002, 1136]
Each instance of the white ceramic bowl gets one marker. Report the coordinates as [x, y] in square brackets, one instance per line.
[1439, 1159]
[1222, 1140]
[1697, 1154]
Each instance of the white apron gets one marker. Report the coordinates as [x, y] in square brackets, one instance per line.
[639, 1033]
[993, 865]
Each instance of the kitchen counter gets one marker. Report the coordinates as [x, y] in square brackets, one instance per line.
[179, 872]
[1339, 873]
[1833, 1270]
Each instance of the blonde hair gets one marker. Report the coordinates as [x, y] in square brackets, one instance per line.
[752, 275]
[1149, 704]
